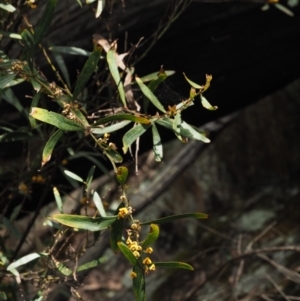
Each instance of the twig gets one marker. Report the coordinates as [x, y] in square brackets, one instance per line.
[280, 291]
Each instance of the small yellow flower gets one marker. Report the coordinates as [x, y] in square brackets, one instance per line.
[136, 254]
[149, 250]
[152, 267]
[123, 212]
[147, 261]
[133, 274]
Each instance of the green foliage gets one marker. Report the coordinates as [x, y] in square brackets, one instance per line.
[72, 123]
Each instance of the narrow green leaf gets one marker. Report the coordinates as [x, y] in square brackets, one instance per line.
[139, 283]
[128, 254]
[177, 127]
[116, 230]
[8, 7]
[80, 117]
[6, 80]
[70, 50]
[89, 178]
[55, 119]
[206, 104]
[87, 71]
[149, 94]
[110, 128]
[194, 85]
[154, 84]
[11, 35]
[22, 261]
[157, 145]
[132, 135]
[98, 203]
[62, 268]
[58, 199]
[90, 264]
[113, 155]
[34, 103]
[153, 76]
[28, 40]
[79, 3]
[11, 98]
[84, 222]
[174, 265]
[36, 86]
[152, 236]
[112, 65]
[45, 22]
[118, 117]
[166, 122]
[176, 217]
[11, 228]
[73, 176]
[191, 132]
[62, 66]
[48, 149]
[122, 174]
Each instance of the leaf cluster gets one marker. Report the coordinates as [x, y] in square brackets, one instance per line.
[77, 117]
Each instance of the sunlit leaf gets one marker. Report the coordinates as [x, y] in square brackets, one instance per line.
[191, 132]
[206, 104]
[174, 265]
[22, 261]
[176, 217]
[128, 253]
[149, 94]
[98, 203]
[152, 236]
[113, 67]
[132, 135]
[45, 21]
[177, 127]
[153, 76]
[194, 85]
[11, 35]
[55, 119]
[87, 71]
[110, 128]
[58, 199]
[48, 149]
[119, 117]
[70, 50]
[100, 7]
[157, 145]
[139, 284]
[8, 7]
[84, 222]
[116, 230]
[122, 174]
[73, 176]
